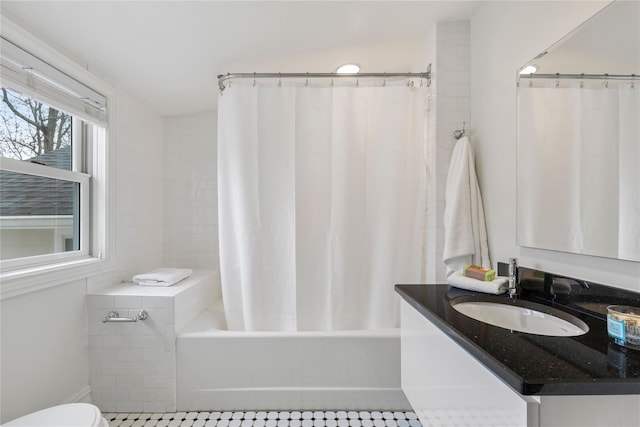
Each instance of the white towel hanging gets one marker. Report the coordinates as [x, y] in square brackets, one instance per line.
[465, 233]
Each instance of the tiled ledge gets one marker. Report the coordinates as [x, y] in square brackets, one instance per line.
[132, 365]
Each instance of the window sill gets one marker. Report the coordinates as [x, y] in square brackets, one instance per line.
[27, 280]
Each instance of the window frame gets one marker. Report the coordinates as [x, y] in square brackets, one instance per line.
[95, 256]
[19, 166]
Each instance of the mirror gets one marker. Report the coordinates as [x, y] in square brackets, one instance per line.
[578, 156]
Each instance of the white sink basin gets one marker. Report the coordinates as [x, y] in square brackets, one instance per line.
[522, 316]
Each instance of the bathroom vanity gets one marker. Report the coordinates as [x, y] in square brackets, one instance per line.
[461, 371]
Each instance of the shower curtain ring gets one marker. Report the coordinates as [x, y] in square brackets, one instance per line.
[279, 79]
[606, 80]
[306, 83]
[384, 82]
[254, 78]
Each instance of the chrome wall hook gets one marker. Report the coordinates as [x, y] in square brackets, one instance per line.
[457, 134]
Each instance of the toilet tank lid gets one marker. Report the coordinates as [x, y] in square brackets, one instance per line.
[69, 415]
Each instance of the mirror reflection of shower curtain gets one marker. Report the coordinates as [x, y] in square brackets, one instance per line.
[578, 182]
[321, 204]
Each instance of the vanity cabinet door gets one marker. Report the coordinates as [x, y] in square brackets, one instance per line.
[590, 411]
[448, 387]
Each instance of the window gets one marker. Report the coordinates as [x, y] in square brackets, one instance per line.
[52, 160]
[39, 209]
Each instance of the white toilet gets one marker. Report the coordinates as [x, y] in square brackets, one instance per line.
[69, 415]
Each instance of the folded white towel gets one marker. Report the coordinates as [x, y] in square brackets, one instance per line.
[497, 286]
[162, 276]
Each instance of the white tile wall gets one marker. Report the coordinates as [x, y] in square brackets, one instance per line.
[449, 102]
[190, 191]
[133, 365]
[138, 188]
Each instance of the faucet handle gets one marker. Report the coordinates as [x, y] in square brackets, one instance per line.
[513, 277]
[513, 267]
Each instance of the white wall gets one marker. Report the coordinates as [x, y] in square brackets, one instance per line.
[44, 352]
[504, 36]
[139, 188]
[190, 191]
[44, 349]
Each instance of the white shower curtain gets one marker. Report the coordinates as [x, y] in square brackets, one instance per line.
[581, 180]
[321, 203]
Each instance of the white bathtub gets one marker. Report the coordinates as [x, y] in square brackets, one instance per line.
[220, 369]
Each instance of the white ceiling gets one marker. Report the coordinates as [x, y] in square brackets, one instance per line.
[168, 53]
[609, 42]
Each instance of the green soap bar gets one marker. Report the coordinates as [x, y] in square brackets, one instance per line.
[479, 273]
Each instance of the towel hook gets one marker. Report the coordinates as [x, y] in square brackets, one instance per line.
[457, 134]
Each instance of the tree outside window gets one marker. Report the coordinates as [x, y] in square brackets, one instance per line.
[30, 129]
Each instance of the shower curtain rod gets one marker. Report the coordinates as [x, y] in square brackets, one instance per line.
[581, 76]
[223, 77]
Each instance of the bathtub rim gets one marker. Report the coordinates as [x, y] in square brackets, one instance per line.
[211, 322]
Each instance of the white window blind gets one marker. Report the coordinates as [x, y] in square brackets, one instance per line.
[31, 76]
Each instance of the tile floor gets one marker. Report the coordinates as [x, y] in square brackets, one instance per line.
[267, 419]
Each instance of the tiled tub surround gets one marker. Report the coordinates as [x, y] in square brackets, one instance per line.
[588, 364]
[246, 370]
[133, 365]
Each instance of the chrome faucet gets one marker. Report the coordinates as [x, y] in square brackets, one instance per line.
[513, 277]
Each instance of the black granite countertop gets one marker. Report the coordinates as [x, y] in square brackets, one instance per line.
[589, 364]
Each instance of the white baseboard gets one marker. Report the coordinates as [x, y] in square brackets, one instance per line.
[83, 396]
